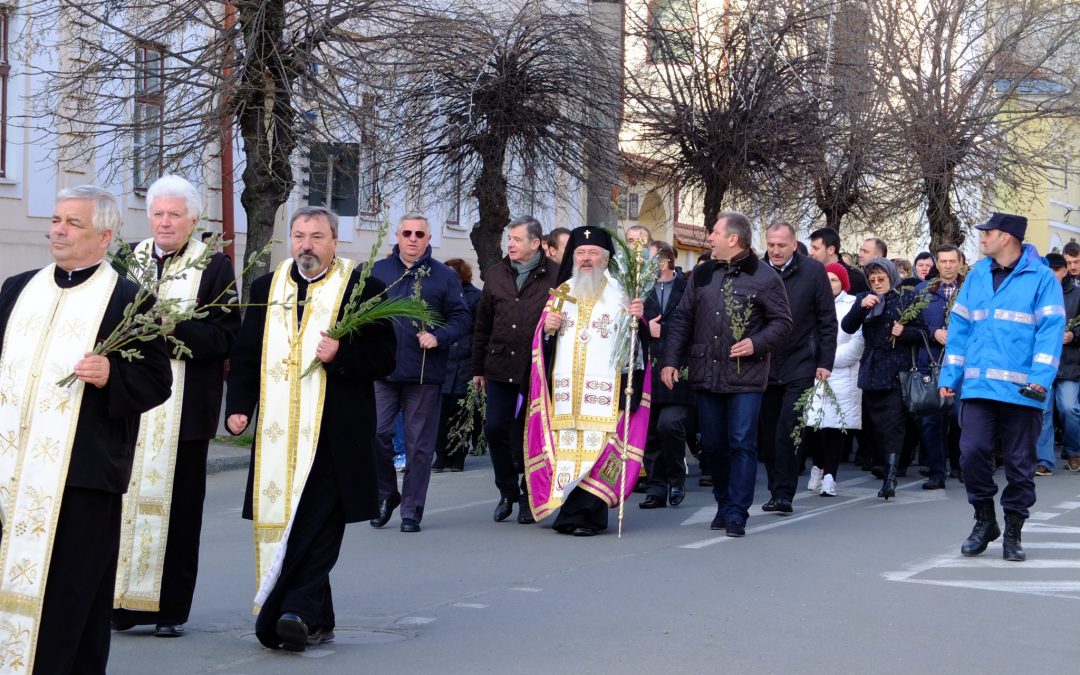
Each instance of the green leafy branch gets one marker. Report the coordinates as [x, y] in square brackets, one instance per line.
[907, 314]
[636, 273]
[824, 390]
[738, 316]
[470, 409]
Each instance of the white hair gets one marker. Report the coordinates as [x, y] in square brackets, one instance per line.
[106, 214]
[175, 186]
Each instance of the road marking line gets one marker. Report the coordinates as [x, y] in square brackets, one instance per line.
[1043, 515]
[787, 520]
[1047, 527]
[1030, 587]
[428, 512]
[525, 589]
[470, 605]
[415, 620]
[999, 563]
[705, 514]
[1067, 506]
[1044, 544]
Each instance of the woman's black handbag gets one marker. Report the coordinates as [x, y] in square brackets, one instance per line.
[920, 390]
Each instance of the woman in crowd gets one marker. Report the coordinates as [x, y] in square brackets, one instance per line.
[845, 413]
[458, 375]
[885, 354]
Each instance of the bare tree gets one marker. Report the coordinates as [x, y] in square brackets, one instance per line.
[724, 97]
[490, 92]
[976, 87]
[176, 76]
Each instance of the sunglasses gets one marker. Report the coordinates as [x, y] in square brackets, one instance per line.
[409, 234]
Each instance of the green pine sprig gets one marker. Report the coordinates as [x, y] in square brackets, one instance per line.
[738, 316]
[823, 389]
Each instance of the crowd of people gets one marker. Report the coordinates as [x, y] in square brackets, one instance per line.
[796, 355]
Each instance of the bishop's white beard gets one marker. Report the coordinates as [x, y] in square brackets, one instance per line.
[588, 283]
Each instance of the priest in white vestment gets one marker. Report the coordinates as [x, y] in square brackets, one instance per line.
[66, 451]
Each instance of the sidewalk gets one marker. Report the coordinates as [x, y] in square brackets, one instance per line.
[226, 457]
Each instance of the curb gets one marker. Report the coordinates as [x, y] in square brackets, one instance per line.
[228, 463]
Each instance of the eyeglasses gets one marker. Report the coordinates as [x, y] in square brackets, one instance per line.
[409, 234]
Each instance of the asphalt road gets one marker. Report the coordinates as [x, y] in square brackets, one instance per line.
[849, 584]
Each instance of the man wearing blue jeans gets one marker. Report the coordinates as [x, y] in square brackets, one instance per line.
[732, 316]
[1063, 395]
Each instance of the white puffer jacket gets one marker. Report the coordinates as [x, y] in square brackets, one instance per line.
[844, 379]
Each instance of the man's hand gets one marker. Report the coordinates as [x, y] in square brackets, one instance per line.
[1067, 338]
[946, 392]
[669, 376]
[327, 348]
[478, 381]
[553, 322]
[637, 308]
[941, 335]
[236, 423]
[742, 348]
[897, 329]
[654, 327]
[93, 369]
[427, 340]
[870, 300]
[823, 374]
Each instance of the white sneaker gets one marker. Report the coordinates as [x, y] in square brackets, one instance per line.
[828, 486]
[815, 480]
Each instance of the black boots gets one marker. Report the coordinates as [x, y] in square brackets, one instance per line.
[1010, 546]
[985, 531]
[888, 486]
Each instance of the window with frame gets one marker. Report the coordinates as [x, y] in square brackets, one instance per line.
[149, 112]
[5, 72]
[368, 167]
[670, 33]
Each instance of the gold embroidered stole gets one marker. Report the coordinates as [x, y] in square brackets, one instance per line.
[48, 332]
[290, 409]
[584, 384]
[147, 504]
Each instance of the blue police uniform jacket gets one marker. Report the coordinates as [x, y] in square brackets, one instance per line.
[1000, 341]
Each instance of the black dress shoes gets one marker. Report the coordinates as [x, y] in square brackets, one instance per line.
[735, 529]
[168, 631]
[121, 626]
[525, 516]
[676, 495]
[777, 505]
[503, 509]
[410, 525]
[584, 532]
[293, 632]
[652, 502]
[717, 522]
[386, 509]
[934, 484]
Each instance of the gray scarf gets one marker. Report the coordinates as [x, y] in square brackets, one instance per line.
[894, 282]
[522, 270]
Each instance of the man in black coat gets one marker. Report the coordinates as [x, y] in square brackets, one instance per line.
[732, 317]
[671, 413]
[825, 248]
[341, 486]
[73, 633]
[805, 356]
[174, 207]
[515, 291]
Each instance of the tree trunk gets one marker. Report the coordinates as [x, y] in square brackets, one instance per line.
[492, 207]
[714, 197]
[266, 123]
[944, 223]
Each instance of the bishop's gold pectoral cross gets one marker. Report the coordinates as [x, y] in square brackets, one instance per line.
[561, 295]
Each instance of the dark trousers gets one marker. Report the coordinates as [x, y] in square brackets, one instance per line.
[826, 446]
[933, 433]
[1017, 426]
[421, 404]
[74, 634]
[581, 509]
[885, 418]
[182, 548]
[505, 435]
[665, 449]
[314, 543]
[775, 445]
[729, 425]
